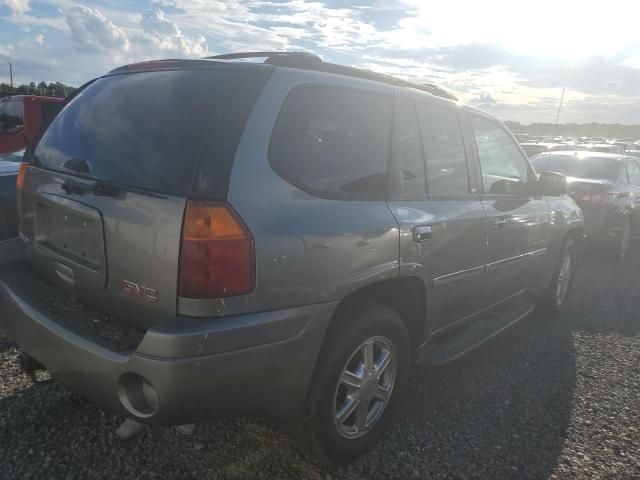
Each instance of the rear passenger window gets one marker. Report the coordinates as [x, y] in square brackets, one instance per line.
[447, 172]
[412, 176]
[333, 142]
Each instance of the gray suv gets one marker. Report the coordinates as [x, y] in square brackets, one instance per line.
[213, 238]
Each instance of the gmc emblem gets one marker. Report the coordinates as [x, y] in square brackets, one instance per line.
[140, 291]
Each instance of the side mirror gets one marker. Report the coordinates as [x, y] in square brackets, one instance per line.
[551, 184]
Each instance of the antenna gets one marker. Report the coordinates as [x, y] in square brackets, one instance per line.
[558, 115]
[555, 127]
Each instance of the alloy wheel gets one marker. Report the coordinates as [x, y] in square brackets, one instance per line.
[365, 387]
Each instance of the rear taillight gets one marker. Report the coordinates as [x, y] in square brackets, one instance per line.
[597, 198]
[217, 254]
[21, 174]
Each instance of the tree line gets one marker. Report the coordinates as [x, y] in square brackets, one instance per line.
[52, 89]
[604, 130]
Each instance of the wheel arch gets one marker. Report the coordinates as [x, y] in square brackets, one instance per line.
[404, 295]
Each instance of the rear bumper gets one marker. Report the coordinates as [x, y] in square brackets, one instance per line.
[200, 369]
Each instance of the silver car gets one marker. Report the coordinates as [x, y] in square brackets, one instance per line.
[283, 239]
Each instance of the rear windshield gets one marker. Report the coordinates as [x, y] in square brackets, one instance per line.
[577, 166]
[144, 129]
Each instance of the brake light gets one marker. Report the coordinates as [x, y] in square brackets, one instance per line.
[21, 174]
[597, 198]
[217, 253]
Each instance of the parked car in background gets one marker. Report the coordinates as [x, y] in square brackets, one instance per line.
[23, 118]
[327, 227]
[9, 167]
[633, 153]
[600, 147]
[607, 188]
[532, 149]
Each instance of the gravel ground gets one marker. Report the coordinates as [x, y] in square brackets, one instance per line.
[544, 400]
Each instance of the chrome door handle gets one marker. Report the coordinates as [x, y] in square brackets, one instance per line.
[499, 223]
[422, 233]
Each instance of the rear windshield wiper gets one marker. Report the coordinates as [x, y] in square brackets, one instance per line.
[102, 188]
[99, 188]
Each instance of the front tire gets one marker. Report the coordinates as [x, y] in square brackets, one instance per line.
[558, 290]
[362, 371]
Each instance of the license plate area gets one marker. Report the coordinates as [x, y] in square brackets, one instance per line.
[70, 240]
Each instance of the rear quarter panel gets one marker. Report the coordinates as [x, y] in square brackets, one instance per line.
[308, 249]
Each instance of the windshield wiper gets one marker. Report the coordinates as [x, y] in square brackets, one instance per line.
[98, 188]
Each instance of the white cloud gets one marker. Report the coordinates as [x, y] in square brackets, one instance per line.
[16, 6]
[153, 21]
[161, 36]
[6, 50]
[92, 32]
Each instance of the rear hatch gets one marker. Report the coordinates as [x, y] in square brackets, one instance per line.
[104, 198]
[594, 197]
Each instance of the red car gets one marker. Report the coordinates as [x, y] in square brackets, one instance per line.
[22, 119]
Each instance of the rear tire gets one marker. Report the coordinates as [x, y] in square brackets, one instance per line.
[558, 290]
[361, 374]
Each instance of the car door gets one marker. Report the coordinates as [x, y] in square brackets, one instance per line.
[518, 223]
[633, 171]
[438, 209]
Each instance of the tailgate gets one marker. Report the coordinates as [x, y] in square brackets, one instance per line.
[118, 252]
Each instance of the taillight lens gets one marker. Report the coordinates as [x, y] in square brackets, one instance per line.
[596, 198]
[21, 174]
[217, 253]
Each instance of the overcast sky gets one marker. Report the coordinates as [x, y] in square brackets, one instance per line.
[510, 60]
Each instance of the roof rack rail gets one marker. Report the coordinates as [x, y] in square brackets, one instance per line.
[311, 61]
[271, 57]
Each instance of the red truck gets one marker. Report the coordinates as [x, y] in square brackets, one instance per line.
[22, 118]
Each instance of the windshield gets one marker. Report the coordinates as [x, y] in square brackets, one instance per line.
[142, 129]
[577, 166]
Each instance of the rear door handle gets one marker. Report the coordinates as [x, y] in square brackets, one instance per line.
[499, 223]
[422, 233]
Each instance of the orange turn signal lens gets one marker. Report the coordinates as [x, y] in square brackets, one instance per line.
[211, 222]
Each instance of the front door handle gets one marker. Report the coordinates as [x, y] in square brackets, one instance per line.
[422, 233]
[499, 222]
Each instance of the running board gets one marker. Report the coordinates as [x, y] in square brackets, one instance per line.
[478, 331]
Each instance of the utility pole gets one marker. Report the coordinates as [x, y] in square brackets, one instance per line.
[11, 76]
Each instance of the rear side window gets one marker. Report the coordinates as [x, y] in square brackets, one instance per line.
[412, 175]
[11, 114]
[447, 172]
[334, 142]
[143, 129]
